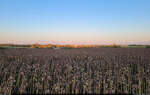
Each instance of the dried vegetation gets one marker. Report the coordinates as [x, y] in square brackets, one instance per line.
[89, 70]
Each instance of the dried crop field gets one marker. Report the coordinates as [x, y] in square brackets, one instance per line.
[85, 70]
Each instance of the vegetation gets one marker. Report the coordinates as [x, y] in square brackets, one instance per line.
[85, 70]
[112, 46]
[2, 48]
[147, 46]
[138, 46]
[52, 46]
[62, 46]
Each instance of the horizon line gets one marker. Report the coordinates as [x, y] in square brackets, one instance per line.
[67, 44]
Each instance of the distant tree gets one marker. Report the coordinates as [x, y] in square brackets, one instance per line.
[2, 48]
[132, 45]
[115, 46]
[147, 46]
[35, 46]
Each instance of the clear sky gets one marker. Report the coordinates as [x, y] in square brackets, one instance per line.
[75, 21]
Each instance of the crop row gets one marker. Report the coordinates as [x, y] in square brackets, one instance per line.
[74, 74]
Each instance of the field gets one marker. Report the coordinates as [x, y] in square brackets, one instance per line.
[82, 70]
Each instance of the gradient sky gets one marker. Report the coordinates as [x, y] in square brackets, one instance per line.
[75, 21]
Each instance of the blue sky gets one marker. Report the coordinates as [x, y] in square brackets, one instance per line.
[75, 21]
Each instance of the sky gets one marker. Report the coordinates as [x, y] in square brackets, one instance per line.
[75, 21]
